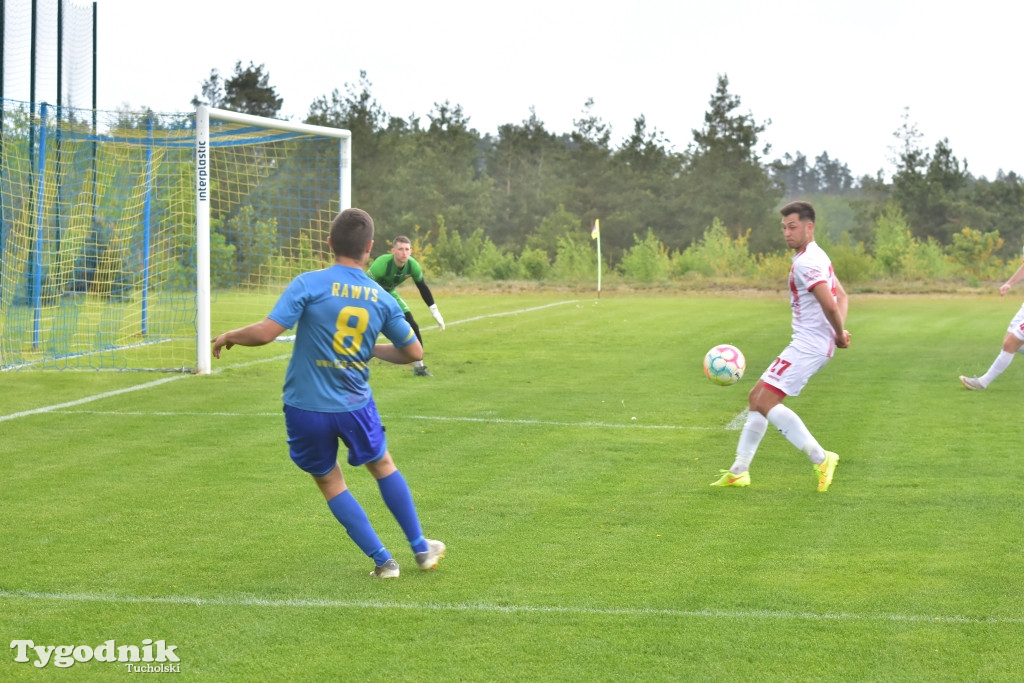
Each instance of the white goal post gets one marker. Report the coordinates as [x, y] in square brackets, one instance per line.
[238, 130]
[126, 237]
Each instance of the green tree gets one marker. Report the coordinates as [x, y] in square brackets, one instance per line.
[437, 173]
[557, 223]
[1002, 201]
[524, 164]
[647, 190]
[248, 91]
[377, 145]
[794, 175]
[725, 178]
[832, 176]
[931, 188]
[595, 194]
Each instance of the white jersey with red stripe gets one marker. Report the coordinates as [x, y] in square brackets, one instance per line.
[812, 332]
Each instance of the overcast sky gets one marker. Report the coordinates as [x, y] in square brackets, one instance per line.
[830, 76]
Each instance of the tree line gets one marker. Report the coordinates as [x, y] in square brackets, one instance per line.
[521, 193]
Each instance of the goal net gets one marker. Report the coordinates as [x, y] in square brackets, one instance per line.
[125, 243]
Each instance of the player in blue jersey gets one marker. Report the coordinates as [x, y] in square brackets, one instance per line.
[339, 312]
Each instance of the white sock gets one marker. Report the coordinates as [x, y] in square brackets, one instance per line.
[1001, 362]
[792, 427]
[753, 430]
[417, 364]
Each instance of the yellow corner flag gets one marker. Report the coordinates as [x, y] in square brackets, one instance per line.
[596, 231]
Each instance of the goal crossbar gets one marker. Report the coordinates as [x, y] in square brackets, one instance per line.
[205, 143]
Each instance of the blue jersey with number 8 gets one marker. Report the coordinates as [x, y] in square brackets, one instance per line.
[340, 312]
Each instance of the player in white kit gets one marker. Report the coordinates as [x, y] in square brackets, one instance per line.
[1012, 343]
[819, 314]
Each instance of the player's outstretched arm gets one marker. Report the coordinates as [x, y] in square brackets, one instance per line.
[1014, 279]
[428, 299]
[399, 356]
[437, 316]
[257, 334]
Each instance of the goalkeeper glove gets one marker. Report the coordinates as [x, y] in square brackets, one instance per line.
[437, 316]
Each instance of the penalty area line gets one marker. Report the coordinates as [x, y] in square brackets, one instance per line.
[291, 337]
[60, 407]
[148, 385]
[549, 423]
[253, 601]
[429, 418]
[90, 399]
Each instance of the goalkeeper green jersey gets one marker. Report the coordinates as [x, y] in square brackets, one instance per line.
[384, 271]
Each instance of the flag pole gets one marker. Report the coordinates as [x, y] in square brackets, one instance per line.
[595, 234]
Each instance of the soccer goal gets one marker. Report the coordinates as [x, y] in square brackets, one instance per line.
[124, 243]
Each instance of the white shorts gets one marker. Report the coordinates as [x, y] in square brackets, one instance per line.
[1016, 327]
[793, 369]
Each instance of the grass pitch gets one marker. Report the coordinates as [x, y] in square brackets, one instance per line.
[563, 451]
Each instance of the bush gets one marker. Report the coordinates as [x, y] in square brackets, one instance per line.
[575, 261]
[688, 263]
[717, 254]
[893, 240]
[926, 260]
[452, 254]
[222, 265]
[851, 262]
[558, 222]
[973, 250]
[494, 264]
[534, 264]
[773, 269]
[647, 260]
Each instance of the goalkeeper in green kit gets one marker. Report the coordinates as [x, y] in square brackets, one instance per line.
[391, 270]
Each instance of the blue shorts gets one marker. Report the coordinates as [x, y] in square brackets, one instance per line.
[313, 437]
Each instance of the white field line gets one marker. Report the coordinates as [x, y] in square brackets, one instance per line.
[301, 603]
[291, 337]
[737, 422]
[89, 399]
[499, 315]
[59, 407]
[434, 418]
[148, 385]
[551, 423]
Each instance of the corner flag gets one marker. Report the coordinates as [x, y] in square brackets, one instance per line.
[595, 232]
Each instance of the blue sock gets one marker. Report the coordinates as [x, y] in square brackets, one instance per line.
[398, 498]
[350, 513]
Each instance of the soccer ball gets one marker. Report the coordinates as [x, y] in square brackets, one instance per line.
[724, 364]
